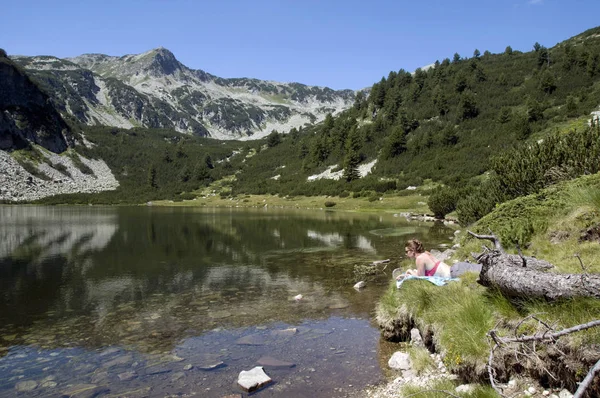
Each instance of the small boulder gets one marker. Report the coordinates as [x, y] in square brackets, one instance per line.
[400, 361]
[565, 394]
[415, 337]
[360, 285]
[252, 380]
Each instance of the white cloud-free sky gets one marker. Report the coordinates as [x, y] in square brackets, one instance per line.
[335, 43]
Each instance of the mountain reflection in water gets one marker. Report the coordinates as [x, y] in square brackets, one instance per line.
[148, 281]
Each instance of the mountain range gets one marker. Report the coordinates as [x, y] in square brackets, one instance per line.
[155, 90]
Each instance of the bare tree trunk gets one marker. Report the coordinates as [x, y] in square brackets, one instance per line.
[517, 275]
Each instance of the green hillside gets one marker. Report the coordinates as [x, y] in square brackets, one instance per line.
[450, 123]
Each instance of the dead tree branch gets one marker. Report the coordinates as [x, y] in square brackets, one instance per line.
[547, 336]
[491, 237]
[587, 381]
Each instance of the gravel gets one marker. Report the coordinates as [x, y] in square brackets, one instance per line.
[17, 185]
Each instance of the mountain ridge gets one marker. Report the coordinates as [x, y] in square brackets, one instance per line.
[153, 89]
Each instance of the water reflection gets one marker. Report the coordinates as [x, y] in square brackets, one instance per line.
[150, 278]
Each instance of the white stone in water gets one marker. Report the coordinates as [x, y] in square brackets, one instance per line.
[252, 380]
[532, 390]
[360, 285]
[28, 385]
[400, 361]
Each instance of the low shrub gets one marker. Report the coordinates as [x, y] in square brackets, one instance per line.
[442, 201]
[330, 203]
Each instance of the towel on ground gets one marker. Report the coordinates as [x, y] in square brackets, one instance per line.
[436, 280]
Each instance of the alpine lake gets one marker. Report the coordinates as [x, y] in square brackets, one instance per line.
[167, 301]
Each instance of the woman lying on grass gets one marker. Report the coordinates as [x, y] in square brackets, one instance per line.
[427, 264]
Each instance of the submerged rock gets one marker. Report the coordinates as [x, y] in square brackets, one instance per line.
[24, 386]
[211, 365]
[127, 376]
[253, 339]
[122, 360]
[252, 380]
[84, 391]
[284, 332]
[271, 362]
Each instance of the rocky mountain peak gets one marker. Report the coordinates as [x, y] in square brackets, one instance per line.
[159, 62]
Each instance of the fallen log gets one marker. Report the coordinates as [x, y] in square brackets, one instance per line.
[524, 276]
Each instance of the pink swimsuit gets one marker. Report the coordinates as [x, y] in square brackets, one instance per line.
[431, 272]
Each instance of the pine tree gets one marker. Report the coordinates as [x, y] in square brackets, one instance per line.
[152, 177]
[352, 159]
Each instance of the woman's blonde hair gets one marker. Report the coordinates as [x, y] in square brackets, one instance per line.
[415, 245]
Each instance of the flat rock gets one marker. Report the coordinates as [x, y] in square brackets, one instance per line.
[122, 360]
[99, 377]
[84, 391]
[157, 369]
[24, 386]
[271, 362]
[48, 384]
[253, 339]
[284, 332]
[400, 361]
[338, 306]
[211, 365]
[127, 376]
[253, 379]
[109, 351]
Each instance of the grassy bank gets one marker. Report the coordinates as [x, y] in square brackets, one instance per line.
[560, 224]
[218, 194]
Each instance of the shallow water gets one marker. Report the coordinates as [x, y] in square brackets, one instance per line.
[169, 301]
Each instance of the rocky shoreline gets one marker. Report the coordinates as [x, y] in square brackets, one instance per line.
[425, 380]
[19, 185]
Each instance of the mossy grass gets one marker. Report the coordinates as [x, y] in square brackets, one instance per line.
[441, 388]
[421, 360]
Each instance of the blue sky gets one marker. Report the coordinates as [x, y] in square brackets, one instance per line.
[340, 44]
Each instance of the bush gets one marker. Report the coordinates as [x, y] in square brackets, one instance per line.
[442, 201]
[344, 194]
[187, 196]
[330, 203]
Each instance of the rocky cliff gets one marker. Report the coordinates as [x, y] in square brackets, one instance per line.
[27, 114]
[155, 90]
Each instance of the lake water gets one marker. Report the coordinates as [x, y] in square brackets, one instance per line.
[146, 301]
